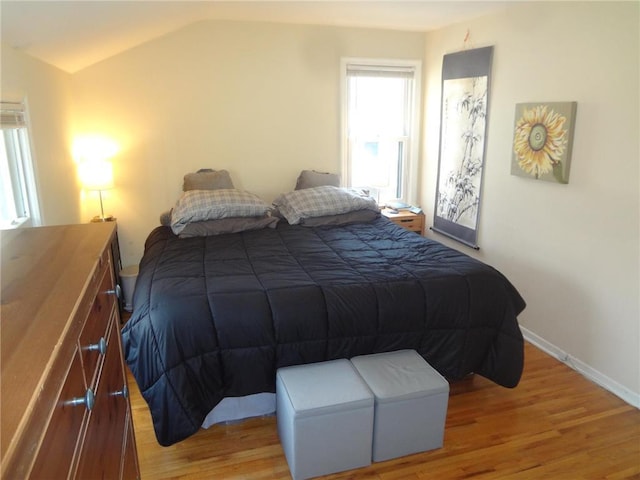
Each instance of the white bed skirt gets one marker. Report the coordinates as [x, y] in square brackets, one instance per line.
[234, 409]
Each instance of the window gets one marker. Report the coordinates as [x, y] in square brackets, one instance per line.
[380, 101]
[18, 196]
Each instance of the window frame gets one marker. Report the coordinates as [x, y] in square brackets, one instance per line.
[20, 165]
[412, 140]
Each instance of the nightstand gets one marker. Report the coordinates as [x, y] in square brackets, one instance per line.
[406, 219]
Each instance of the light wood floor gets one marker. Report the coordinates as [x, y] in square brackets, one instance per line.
[554, 425]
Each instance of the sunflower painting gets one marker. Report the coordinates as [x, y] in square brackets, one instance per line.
[542, 140]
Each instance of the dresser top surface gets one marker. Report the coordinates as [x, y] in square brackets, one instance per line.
[44, 275]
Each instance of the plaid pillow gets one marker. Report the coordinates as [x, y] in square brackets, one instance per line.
[200, 205]
[321, 201]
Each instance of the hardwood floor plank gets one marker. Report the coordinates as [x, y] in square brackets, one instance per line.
[555, 425]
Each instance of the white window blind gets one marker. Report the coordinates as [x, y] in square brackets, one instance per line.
[12, 115]
[389, 71]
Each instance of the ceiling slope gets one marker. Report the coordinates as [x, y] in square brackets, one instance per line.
[72, 35]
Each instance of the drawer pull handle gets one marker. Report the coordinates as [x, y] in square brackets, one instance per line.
[124, 392]
[101, 346]
[117, 291]
[88, 400]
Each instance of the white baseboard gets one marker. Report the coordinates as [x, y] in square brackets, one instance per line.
[632, 398]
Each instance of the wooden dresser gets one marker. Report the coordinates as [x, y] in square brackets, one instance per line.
[64, 399]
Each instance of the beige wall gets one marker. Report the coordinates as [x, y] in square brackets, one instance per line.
[572, 250]
[259, 99]
[46, 90]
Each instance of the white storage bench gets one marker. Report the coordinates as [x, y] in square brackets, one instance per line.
[411, 400]
[325, 418]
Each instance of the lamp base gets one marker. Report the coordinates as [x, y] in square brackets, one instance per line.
[107, 218]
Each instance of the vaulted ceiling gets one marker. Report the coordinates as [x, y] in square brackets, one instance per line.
[72, 35]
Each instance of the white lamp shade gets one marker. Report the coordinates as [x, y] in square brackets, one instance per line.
[96, 175]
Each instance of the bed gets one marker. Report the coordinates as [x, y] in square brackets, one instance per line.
[215, 316]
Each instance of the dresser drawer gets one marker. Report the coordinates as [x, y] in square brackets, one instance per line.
[410, 223]
[108, 421]
[130, 459]
[103, 265]
[64, 433]
[93, 338]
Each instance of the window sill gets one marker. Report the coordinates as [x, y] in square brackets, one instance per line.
[14, 223]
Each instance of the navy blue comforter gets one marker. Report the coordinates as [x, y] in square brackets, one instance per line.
[216, 316]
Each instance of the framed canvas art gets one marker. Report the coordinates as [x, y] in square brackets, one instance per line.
[542, 140]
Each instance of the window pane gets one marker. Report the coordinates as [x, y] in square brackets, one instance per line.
[15, 159]
[377, 106]
[7, 204]
[378, 127]
[377, 166]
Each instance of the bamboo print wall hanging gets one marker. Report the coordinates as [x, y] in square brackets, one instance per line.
[465, 100]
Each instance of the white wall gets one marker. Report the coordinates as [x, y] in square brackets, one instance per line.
[46, 90]
[259, 99]
[572, 250]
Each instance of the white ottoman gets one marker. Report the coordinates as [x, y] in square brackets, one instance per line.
[410, 404]
[325, 418]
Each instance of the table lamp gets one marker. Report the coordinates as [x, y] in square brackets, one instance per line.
[97, 176]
